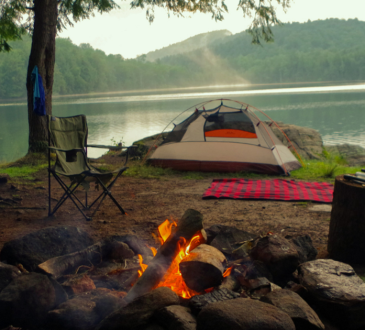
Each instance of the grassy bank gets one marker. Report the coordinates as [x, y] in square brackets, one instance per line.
[313, 170]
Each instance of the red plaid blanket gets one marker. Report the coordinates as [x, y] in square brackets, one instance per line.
[275, 189]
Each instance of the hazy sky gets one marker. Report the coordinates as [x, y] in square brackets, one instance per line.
[127, 31]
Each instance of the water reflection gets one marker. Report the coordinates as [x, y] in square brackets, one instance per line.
[337, 112]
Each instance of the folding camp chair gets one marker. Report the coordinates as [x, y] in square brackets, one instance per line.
[68, 136]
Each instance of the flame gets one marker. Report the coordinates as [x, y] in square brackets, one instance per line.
[165, 229]
[227, 272]
[173, 278]
[154, 251]
[143, 266]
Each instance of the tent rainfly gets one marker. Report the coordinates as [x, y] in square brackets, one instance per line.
[224, 139]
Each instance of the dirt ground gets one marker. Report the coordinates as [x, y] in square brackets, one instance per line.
[148, 202]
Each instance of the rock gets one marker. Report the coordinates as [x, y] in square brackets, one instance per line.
[134, 243]
[337, 290]
[37, 247]
[307, 141]
[230, 282]
[121, 251]
[78, 284]
[324, 208]
[243, 313]
[84, 311]
[251, 269]
[213, 231]
[175, 318]
[7, 274]
[354, 154]
[139, 311]
[4, 178]
[106, 281]
[278, 254]
[229, 239]
[304, 246]
[196, 303]
[27, 300]
[303, 316]
[151, 326]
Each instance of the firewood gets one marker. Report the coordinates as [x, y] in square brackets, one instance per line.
[188, 226]
[203, 268]
[68, 263]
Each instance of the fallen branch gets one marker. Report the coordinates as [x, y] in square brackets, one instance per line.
[66, 264]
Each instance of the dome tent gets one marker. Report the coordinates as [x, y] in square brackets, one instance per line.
[224, 139]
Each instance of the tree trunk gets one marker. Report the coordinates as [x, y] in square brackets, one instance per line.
[347, 227]
[42, 54]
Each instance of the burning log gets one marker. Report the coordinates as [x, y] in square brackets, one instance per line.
[203, 268]
[188, 226]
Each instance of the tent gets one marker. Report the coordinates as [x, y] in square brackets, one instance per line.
[224, 139]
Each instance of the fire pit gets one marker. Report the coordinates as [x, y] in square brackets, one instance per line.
[197, 279]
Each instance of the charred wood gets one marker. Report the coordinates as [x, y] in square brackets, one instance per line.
[188, 226]
[203, 268]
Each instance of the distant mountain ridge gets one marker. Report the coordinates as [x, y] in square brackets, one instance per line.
[329, 50]
[199, 41]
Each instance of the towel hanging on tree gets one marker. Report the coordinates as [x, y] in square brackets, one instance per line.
[39, 99]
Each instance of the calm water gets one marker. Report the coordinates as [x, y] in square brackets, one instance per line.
[337, 112]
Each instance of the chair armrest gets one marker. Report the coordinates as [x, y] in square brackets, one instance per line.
[65, 150]
[109, 147]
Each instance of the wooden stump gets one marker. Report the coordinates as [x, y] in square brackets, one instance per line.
[346, 240]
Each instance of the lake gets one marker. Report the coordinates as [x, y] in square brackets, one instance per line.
[336, 111]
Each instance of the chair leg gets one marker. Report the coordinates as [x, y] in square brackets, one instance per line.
[107, 192]
[69, 193]
[65, 195]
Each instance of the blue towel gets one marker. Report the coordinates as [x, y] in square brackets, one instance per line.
[39, 99]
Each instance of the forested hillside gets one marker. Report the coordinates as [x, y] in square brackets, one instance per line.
[82, 69]
[331, 50]
[188, 45]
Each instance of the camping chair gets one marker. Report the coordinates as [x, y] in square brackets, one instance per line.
[68, 136]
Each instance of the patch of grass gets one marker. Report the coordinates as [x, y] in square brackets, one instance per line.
[25, 167]
[322, 170]
[148, 172]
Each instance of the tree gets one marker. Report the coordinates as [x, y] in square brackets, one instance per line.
[42, 19]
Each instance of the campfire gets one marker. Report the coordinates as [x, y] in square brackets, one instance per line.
[186, 258]
[117, 283]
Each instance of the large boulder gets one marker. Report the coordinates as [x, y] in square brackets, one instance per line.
[7, 274]
[227, 238]
[353, 154]
[337, 291]
[37, 247]
[84, 311]
[307, 141]
[176, 317]
[26, 301]
[304, 246]
[303, 316]
[243, 313]
[138, 312]
[278, 254]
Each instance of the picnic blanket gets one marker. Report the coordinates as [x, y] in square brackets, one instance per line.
[275, 189]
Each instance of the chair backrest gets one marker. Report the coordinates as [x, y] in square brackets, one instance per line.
[69, 133]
